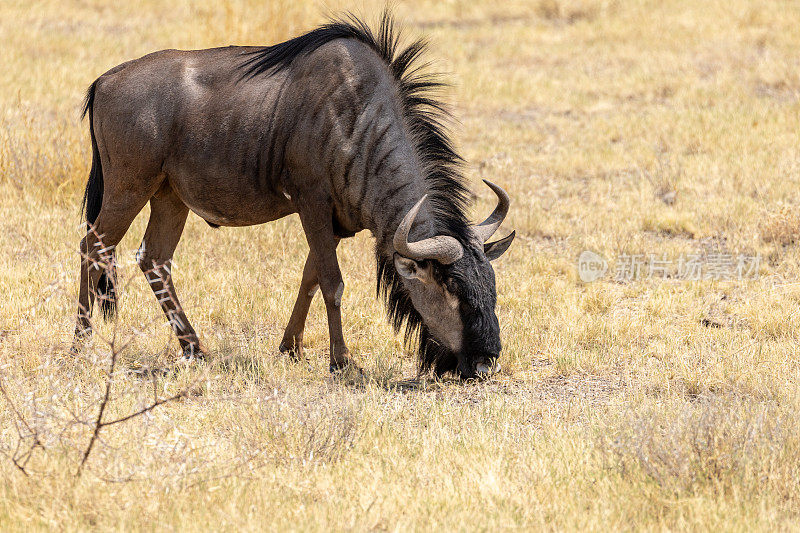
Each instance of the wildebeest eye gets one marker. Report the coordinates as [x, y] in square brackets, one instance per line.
[451, 285]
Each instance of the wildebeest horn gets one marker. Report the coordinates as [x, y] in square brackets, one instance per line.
[486, 229]
[442, 248]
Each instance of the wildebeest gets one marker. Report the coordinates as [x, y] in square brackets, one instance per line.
[338, 125]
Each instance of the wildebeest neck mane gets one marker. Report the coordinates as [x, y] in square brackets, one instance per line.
[425, 116]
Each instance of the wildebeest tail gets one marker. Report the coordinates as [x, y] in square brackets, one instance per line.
[92, 201]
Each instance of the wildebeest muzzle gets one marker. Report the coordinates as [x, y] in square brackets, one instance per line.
[479, 367]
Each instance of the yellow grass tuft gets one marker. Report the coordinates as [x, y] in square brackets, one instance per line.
[781, 225]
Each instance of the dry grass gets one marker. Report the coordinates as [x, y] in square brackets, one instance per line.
[721, 444]
[781, 225]
[619, 127]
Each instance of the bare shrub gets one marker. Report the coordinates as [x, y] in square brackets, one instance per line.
[327, 434]
[318, 430]
[716, 443]
[58, 410]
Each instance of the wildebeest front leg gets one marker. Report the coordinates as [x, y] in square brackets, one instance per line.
[292, 342]
[322, 242]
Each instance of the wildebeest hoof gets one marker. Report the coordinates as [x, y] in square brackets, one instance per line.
[75, 349]
[191, 354]
[345, 368]
[79, 340]
[295, 353]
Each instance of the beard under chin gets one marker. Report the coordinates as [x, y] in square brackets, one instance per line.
[435, 356]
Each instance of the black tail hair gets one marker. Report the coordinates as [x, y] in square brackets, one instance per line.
[92, 201]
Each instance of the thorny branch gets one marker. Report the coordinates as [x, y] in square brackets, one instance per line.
[99, 423]
[20, 460]
[22, 452]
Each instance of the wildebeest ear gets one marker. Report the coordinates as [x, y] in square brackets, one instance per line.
[411, 269]
[495, 249]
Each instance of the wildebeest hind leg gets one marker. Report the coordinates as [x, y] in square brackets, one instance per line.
[167, 218]
[97, 249]
[292, 342]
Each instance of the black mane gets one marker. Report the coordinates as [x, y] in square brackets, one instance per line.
[425, 116]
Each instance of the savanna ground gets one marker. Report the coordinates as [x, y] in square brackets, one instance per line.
[667, 128]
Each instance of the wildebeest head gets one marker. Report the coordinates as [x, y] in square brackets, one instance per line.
[452, 286]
